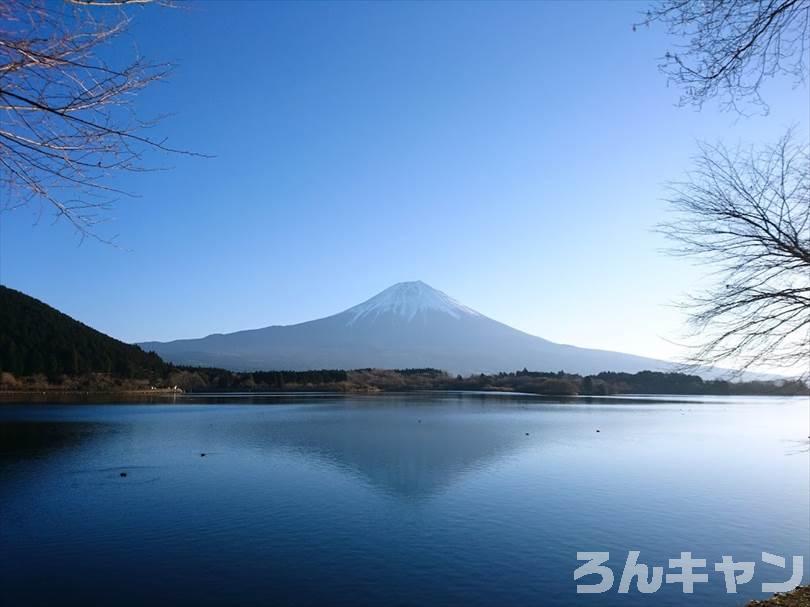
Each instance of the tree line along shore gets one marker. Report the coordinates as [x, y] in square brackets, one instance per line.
[173, 378]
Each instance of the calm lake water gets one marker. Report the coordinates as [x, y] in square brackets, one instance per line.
[430, 499]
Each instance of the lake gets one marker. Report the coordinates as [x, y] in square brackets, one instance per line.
[423, 499]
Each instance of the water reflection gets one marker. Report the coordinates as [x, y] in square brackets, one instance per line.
[409, 453]
[31, 439]
[472, 500]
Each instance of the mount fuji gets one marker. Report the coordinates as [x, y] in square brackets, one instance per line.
[408, 325]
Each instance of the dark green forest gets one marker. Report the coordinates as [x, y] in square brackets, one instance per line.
[37, 339]
[552, 384]
[608, 383]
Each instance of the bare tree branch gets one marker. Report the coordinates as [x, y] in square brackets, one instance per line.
[67, 121]
[732, 46]
[746, 213]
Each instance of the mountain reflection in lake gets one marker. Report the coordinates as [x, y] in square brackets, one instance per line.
[412, 500]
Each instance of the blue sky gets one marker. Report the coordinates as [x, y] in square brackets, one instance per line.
[511, 155]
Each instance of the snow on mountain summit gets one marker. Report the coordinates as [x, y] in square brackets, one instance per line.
[409, 325]
[407, 299]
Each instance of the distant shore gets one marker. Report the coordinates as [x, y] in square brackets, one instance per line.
[57, 390]
[185, 380]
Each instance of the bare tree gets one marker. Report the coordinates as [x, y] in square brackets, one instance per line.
[747, 214]
[732, 46]
[67, 121]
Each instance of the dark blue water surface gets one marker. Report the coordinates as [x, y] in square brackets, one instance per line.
[430, 499]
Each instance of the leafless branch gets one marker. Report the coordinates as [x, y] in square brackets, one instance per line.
[732, 46]
[67, 122]
[746, 213]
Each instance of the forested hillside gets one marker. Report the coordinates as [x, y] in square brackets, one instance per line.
[37, 339]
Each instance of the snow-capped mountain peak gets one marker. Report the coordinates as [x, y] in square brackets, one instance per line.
[408, 299]
[409, 325]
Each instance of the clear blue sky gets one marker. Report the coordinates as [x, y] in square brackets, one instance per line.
[511, 155]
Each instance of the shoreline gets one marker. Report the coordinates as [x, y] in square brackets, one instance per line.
[798, 597]
[22, 396]
[46, 391]
[177, 380]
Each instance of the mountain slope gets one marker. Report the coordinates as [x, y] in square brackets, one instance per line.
[407, 325]
[36, 338]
